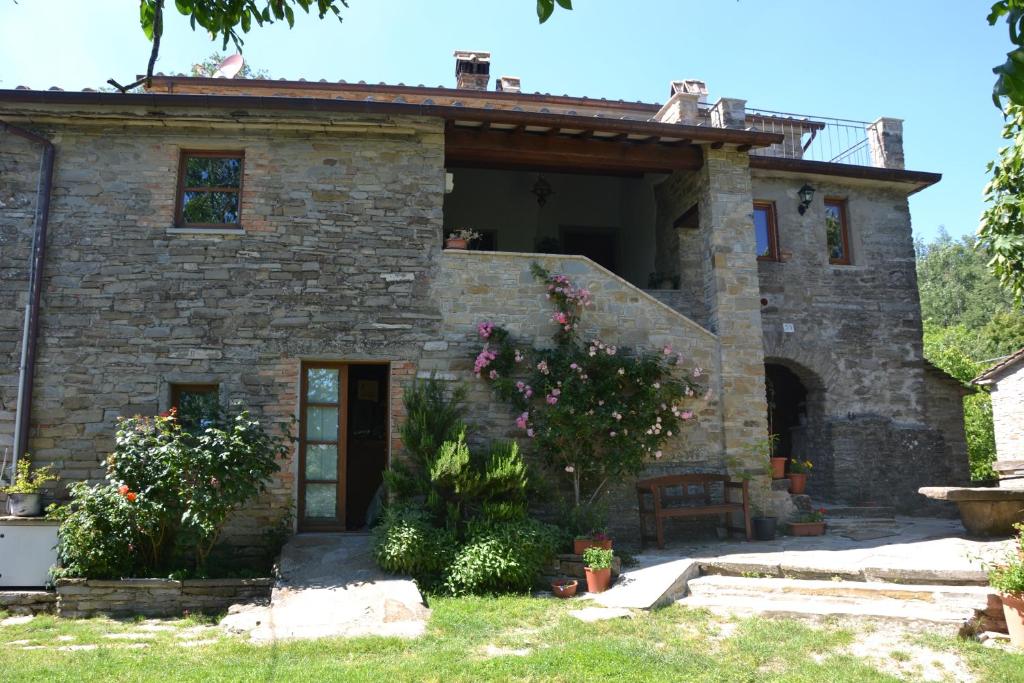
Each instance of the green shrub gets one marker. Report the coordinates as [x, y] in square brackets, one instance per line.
[1008, 578]
[170, 488]
[102, 533]
[501, 557]
[406, 543]
[597, 558]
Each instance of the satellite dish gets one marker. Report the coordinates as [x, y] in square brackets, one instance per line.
[229, 68]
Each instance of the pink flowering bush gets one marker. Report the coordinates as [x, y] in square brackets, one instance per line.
[593, 410]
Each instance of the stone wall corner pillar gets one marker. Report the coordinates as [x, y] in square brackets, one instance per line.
[729, 112]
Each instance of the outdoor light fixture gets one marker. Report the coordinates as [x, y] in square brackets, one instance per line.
[806, 194]
[542, 190]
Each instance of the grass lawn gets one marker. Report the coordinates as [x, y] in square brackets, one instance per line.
[511, 638]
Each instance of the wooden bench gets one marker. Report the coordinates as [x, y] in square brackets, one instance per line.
[694, 501]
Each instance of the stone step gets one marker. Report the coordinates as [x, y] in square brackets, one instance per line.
[857, 511]
[829, 571]
[953, 605]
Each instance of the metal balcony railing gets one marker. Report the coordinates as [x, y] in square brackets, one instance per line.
[814, 138]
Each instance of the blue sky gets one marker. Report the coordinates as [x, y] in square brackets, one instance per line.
[926, 61]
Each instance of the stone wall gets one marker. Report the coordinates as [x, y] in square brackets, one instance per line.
[342, 228]
[1008, 413]
[875, 414]
[28, 602]
[80, 598]
[477, 286]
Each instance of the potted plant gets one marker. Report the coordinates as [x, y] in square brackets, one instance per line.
[564, 588]
[798, 471]
[764, 527]
[460, 239]
[1008, 579]
[809, 524]
[596, 539]
[23, 496]
[597, 563]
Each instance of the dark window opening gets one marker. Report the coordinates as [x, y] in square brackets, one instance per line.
[837, 232]
[209, 190]
[196, 404]
[766, 231]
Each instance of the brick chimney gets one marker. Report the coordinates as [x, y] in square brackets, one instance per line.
[472, 70]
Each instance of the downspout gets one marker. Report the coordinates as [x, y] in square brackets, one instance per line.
[30, 332]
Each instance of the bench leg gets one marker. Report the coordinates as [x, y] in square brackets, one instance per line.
[746, 513]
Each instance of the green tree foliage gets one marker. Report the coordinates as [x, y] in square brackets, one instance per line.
[969, 321]
[1001, 233]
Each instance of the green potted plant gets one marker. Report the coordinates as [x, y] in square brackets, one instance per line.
[798, 471]
[1008, 579]
[597, 563]
[460, 239]
[23, 496]
[809, 524]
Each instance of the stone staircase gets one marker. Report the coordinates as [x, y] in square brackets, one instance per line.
[951, 606]
[860, 523]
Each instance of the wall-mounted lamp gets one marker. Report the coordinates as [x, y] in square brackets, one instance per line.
[806, 194]
[542, 190]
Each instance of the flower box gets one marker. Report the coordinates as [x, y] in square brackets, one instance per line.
[806, 528]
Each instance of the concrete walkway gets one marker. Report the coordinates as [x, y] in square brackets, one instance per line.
[919, 551]
[330, 586]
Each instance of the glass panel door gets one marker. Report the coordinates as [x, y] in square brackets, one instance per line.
[322, 446]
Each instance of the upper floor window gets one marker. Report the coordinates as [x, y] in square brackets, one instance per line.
[766, 231]
[209, 189]
[837, 232]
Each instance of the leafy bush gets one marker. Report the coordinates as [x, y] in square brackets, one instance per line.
[28, 480]
[102, 533]
[405, 542]
[170, 488]
[458, 519]
[596, 558]
[501, 557]
[1008, 578]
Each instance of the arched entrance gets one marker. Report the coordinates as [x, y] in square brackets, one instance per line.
[787, 408]
[796, 415]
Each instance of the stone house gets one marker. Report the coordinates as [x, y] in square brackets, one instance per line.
[279, 243]
[1005, 382]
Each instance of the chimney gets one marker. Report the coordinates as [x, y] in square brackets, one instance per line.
[472, 70]
[508, 84]
[690, 86]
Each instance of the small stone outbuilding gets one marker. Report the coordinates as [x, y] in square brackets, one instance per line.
[1005, 381]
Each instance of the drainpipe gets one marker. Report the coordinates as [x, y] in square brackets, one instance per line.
[26, 371]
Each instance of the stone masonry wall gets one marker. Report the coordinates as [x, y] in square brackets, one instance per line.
[856, 345]
[19, 176]
[82, 598]
[342, 228]
[476, 286]
[1008, 413]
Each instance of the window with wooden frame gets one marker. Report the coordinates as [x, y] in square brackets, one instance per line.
[209, 189]
[766, 231]
[323, 423]
[837, 232]
[195, 402]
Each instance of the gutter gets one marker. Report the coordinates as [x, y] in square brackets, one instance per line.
[30, 332]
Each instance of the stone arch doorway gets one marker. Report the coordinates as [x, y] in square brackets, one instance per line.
[787, 407]
[796, 415]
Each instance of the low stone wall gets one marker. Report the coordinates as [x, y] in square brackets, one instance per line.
[155, 597]
[28, 602]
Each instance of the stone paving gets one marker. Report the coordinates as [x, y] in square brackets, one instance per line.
[330, 586]
[919, 551]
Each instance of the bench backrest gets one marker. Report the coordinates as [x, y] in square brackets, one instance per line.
[693, 487]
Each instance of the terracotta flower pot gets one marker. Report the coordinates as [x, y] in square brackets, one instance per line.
[779, 468]
[806, 528]
[454, 243]
[1013, 612]
[599, 580]
[581, 544]
[564, 588]
[797, 482]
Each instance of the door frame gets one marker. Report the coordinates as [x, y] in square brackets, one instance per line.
[301, 522]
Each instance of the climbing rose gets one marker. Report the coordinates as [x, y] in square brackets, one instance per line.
[131, 496]
[122, 489]
[484, 329]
